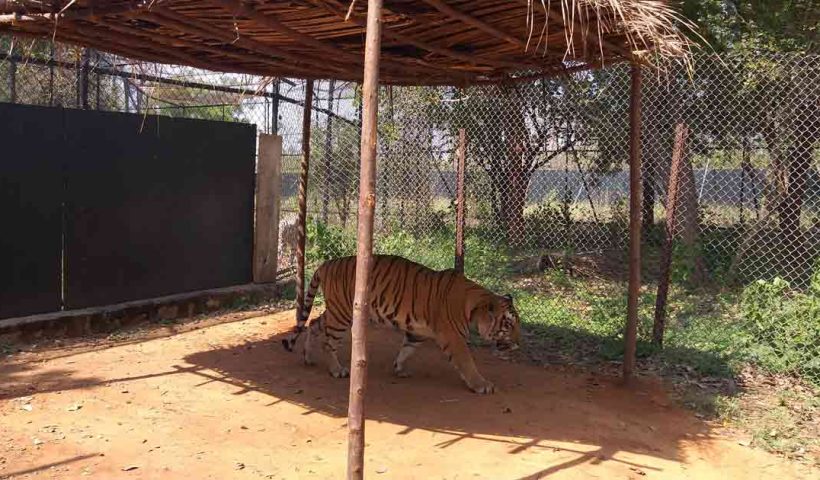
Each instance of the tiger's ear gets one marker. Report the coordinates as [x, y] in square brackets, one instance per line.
[508, 297]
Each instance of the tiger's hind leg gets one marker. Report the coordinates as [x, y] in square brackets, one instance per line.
[314, 331]
[408, 347]
[333, 332]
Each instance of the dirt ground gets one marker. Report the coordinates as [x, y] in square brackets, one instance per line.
[227, 402]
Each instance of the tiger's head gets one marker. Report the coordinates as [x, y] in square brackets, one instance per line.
[498, 322]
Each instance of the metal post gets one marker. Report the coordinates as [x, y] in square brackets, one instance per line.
[631, 334]
[51, 75]
[364, 252]
[303, 179]
[678, 149]
[126, 93]
[461, 158]
[389, 180]
[97, 81]
[138, 97]
[327, 154]
[12, 77]
[275, 113]
[82, 81]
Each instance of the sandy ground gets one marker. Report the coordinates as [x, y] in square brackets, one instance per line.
[227, 402]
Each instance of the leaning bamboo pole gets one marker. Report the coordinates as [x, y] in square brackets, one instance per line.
[678, 152]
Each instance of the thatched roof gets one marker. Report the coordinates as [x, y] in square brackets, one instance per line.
[425, 42]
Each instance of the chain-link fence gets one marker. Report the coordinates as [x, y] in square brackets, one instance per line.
[546, 187]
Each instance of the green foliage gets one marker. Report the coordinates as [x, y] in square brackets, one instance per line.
[545, 226]
[325, 242]
[757, 25]
[768, 324]
[432, 251]
[6, 348]
[784, 327]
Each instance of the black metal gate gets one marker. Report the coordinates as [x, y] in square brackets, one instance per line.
[136, 206]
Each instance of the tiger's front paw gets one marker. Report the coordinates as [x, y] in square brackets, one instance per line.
[483, 387]
[342, 372]
[400, 371]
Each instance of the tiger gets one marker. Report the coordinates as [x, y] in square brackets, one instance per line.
[288, 237]
[423, 303]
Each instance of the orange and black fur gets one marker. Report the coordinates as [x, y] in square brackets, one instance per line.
[422, 302]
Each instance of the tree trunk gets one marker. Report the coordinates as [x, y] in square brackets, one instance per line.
[515, 179]
[647, 202]
[656, 143]
[798, 165]
[512, 197]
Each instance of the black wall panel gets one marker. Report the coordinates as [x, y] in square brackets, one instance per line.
[31, 185]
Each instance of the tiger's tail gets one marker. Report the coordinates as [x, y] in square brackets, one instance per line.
[303, 314]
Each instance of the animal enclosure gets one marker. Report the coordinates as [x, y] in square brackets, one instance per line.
[547, 188]
[728, 185]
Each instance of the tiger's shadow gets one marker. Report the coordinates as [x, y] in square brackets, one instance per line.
[532, 405]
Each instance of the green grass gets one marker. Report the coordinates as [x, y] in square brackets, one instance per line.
[783, 421]
[715, 332]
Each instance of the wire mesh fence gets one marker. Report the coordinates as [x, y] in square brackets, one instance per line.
[546, 187]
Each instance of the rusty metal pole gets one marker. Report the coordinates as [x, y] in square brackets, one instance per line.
[364, 252]
[460, 166]
[678, 149]
[631, 334]
[302, 220]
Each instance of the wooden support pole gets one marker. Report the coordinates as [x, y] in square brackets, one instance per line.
[678, 151]
[461, 159]
[631, 334]
[364, 252]
[268, 190]
[302, 220]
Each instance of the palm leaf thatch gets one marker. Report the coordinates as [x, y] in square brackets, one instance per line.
[425, 42]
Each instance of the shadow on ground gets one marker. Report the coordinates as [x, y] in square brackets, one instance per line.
[538, 408]
[535, 407]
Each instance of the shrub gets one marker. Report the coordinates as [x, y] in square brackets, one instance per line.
[325, 242]
[546, 227]
[784, 326]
